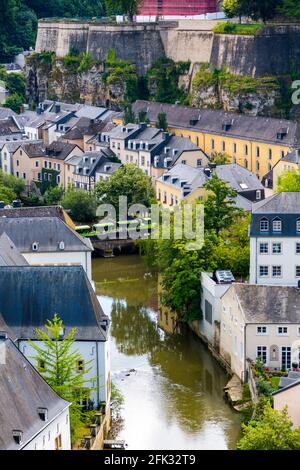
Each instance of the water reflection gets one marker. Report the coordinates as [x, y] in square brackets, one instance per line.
[173, 399]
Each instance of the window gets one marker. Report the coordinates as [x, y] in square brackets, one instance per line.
[264, 225]
[208, 312]
[257, 166]
[246, 150]
[234, 148]
[183, 162]
[199, 162]
[212, 144]
[277, 225]
[45, 164]
[261, 330]
[269, 167]
[297, 271]
[37, 164]
[263, 248]
[257, 152]
[245, 163]
[58, 442]
[18, 162]
[276, 271]
[297, 248]
[298, 225]
[285, 357]
[24, 176]
[258, 193]
[276, 248]
[270, 154]
[223, 146]
[264, 271]
[49, 165]
[261, 353]
[143, 161]
[80, 366]
[282, 330]
[42, 364]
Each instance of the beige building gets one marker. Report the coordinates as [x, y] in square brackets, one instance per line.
[290, 162]
[37, 162]
[260, 322]
[289, 397]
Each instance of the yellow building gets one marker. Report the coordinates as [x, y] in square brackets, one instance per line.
[256, 143]
[185, 183]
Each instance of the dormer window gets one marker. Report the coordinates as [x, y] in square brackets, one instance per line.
[43, 413]
[61, 245]
[258, 194]
[35, 246]
[277, 225]
[298, 226]
[18, 436]
[264, 225]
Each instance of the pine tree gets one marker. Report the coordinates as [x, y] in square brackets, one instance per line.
[162, 121]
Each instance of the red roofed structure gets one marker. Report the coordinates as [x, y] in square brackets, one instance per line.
[178, 7]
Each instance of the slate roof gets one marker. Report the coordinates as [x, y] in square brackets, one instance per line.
[108, 167]
[9, 126]
[60, 150]
[6, 112]
[39, 211]
[268, 304]
[23, 391]
[91, 161]
[292, 380]
[292, 157]
[280, 203]
[30, 295]
[9, 254]
[236, 176]
[258, 128]
[48, 232]
[12, 146]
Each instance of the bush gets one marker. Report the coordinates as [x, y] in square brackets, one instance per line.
[81, 203]
[240, 29]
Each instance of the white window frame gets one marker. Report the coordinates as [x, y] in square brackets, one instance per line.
[264, 275]
[261, 333]
[263, 252]
[277, 252]
[277, 225]
[277, 275]
[264, 221]
[266, 353]
[298, 225]
[284, 333]
[296, 248]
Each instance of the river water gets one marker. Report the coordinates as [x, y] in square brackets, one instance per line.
[171, 384]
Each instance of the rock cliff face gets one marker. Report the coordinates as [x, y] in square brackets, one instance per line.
[56, 81]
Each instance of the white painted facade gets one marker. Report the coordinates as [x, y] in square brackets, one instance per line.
[287, 259]
[211, 306]
[56, 258]
[289, 397]
[6, 160]
[55, 433]
[96, 356]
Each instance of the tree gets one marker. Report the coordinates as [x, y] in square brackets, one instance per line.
[81, 203]
[289, 8]
[129, 181]
[143, 117]
[220, 158]
[7, 195]
[57, 361]
[162, 121]
[11, 182]
[15, 83]
[220, 209]
[14, 102]
[129, 116]
[54, 195]
[259, 9]
[130, 7]
[231, 8]
[289, 181]
[273, 431]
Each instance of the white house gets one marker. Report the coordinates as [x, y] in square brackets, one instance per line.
[260, 321]
[275, 240]
[213, 287]
[31, 295]
[288, 395]
[45, 241]
[33, 416]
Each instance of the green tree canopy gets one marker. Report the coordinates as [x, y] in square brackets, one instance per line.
[129, 181]
[162, 122]
[273, 431]
[16, 185]
[289, 8]
[289, 181]
[220, 209]
[82, 204]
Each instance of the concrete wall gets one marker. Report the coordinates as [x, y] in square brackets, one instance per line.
[275, 52]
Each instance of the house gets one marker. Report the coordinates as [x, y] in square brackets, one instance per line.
[151, 149]
[7, 151]
[47, 241]
[84, 129]
[11, 128]
[89, 169]
[4, 93]
[213, 286]
[33, 416]
[288, 395]
[259, 321]
[30, 295]
[290, 161]
[39, 211]
[275, 240]
[40, 163]
[9, 254]
[256, 143]
[185, 183]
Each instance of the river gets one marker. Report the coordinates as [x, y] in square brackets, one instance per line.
[171, 384]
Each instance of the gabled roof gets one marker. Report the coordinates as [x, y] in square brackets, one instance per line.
[23, 391]
[268, 304]
[280, 203]
[211, 121]
[239, 178]
[30, 295]
[9, 255]
[48, 232]
[292, 380]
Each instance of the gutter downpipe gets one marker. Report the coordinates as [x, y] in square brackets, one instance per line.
[98, 383]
